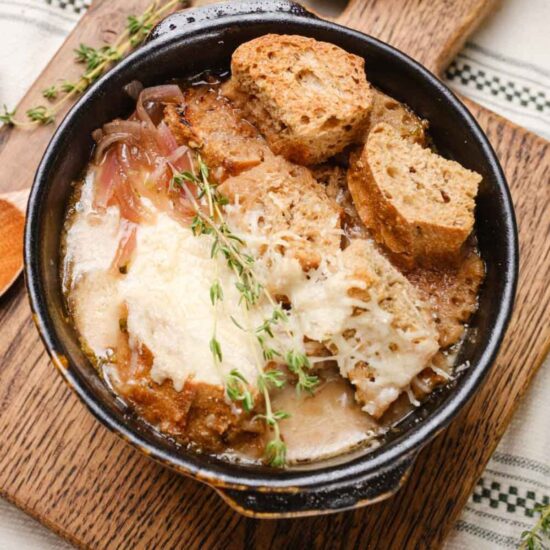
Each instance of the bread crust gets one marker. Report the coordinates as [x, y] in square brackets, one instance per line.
[399, 116]
[209, 122]
[291, 202]
[199, 414]
[451, 293]
[386, 194]
[309, 99]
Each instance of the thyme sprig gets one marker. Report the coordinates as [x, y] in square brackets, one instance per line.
[7, 116]
[231, 247]
[96, 61]
[238, 389]
[533, 539]
[242, 264]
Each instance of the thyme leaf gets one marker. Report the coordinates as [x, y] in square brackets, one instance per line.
[216, 292]
[96, 61]
[275, 453]
[237, 389]
[216, 349]
[533, 539]
[7, 116]
[271, 379]
[297, 363]
[50, 93]
[41, 115]
[94, 57]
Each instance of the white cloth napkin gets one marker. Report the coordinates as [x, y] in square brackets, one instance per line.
[505, 66]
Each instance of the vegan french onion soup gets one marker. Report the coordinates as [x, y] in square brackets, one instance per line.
[274, 266]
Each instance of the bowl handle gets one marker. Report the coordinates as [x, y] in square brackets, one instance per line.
[182, 21]
[325, 498]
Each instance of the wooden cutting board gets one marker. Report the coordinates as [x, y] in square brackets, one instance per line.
[60, 465]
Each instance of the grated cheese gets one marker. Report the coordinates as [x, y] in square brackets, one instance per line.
[167, 295]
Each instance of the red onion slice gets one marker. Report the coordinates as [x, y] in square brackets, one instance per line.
[169, 93]
[107, 179]
[167, 138]
[126, 246]
[128, 201]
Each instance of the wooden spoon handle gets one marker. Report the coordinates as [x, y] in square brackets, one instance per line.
[431, 32]
[12, 221]
[17, 198]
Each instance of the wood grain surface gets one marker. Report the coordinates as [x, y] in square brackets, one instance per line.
[60, 465]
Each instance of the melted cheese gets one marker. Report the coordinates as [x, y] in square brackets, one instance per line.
[166, 292]
[361, 332]
[97, 309]
[90, 246]
[167, 295]
[93, 238]
[357, 332]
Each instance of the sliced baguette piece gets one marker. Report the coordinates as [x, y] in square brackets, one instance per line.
[283, 203]
[416, 203]
[309, 99]
[333, 178]
[452, 294]
[395, 335]
[209, 122]
[396, 114]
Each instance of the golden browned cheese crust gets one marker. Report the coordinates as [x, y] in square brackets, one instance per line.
[310, 99]
[210, 122]
[417, 204]
[199, 414]
[397, 296]
[292, 203]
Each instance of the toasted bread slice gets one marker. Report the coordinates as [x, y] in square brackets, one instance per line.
[416, 203]
[395, 336]
[199, 413]
[396, 114]
[333, 178]
[452, 294]
[207, 120]
[281, 200]
[309, 99]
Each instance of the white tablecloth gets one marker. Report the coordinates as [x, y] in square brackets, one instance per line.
[505, 66]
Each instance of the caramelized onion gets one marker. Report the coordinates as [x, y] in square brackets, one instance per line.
[118, 131]
[133, 89]
[107, 141]
[181, 159]
[169, 93]
[107, 178]
[167, 139]
[128, 201]
[132, 127]
[126, 247]
[158, 176]
[136, 159]
[183, 210]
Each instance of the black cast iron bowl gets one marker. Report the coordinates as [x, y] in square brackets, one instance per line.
[186, 44]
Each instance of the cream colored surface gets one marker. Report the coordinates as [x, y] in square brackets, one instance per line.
[166, 292]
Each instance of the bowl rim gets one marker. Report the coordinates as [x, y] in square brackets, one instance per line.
[405, 445]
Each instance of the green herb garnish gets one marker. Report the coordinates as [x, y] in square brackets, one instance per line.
[533, 539]
[96, 62]
[232, 248]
